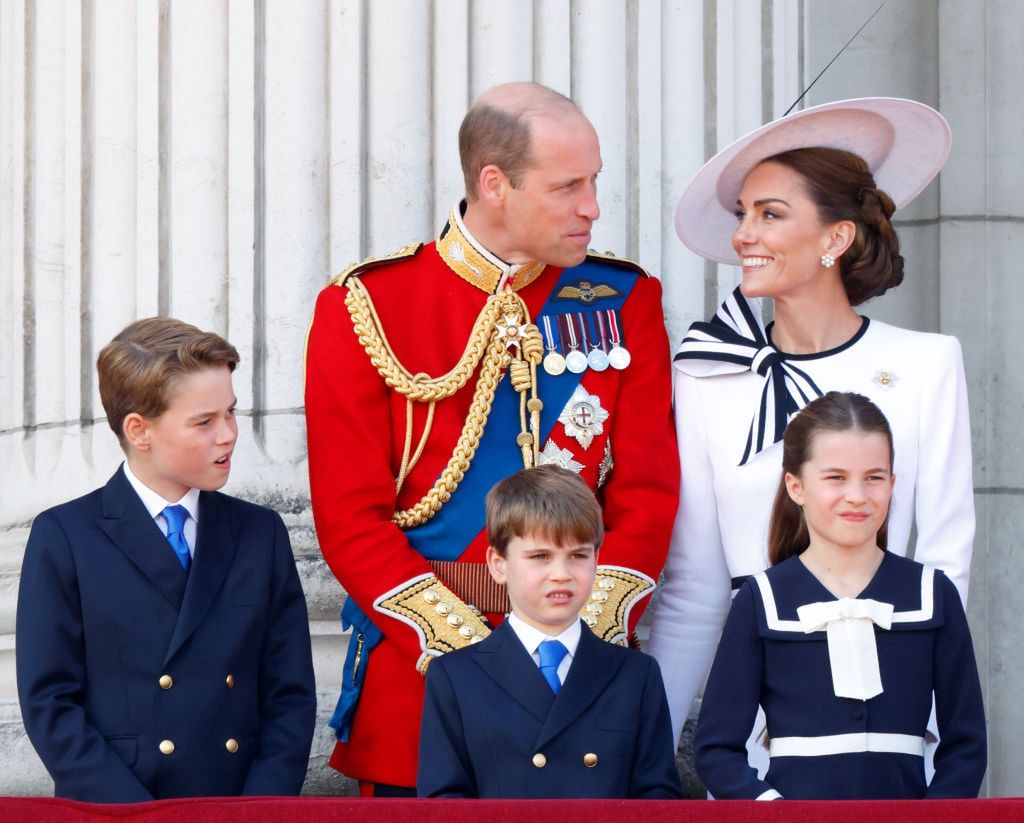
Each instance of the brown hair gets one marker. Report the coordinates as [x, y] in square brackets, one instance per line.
[843, 188]
[496, 130]
[548, 501]
[138, 369]
[835, 412]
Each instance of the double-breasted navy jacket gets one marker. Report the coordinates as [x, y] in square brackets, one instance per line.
[139, 681]
[829, 747]
[492, 727]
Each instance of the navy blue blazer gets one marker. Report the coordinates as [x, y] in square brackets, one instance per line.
[833, 748]
[492, 727]
[138, 681]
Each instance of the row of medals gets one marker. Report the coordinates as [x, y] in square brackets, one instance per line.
[598, 356]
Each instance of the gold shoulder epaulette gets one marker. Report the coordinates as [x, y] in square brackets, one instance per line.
[622, 262]
[408, 250]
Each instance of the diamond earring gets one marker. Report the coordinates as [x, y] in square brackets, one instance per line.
[827, 260]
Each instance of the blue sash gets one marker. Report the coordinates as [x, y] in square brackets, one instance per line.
[449, 532]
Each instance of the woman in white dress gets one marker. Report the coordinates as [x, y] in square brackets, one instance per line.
[804, 205]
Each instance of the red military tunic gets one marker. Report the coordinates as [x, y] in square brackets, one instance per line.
[427, 306]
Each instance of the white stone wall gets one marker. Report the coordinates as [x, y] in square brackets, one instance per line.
[218, 160]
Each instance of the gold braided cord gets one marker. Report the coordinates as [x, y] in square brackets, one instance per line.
[423, 387]
[488, 347]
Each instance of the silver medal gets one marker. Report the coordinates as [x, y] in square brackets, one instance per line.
[619, 357]
[554, 363]
[576, 361]
[597, 360]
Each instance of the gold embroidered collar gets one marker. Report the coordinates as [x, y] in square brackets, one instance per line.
[477, 266]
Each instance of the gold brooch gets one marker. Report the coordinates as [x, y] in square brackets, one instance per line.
[884, 378]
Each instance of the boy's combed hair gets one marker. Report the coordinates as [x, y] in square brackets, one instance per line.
[835, 412]
[139, 368]
[549, 501]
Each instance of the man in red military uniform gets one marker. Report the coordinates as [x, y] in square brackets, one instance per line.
[438, 370]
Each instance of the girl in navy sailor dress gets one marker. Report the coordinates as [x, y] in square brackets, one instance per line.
[841, 642]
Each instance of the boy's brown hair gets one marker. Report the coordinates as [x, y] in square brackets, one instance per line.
[139, 368]
[548, 501]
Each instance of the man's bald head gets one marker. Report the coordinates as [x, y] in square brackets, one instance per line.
[496, 129]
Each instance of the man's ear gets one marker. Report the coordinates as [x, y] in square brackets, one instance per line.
[795, 488]
[137, 432]
[492, 185]
[496, 565]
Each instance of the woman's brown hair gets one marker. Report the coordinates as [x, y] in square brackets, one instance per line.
[843, 188]
[835, 412]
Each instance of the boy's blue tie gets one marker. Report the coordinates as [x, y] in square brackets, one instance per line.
[551, 653]
[176, 517]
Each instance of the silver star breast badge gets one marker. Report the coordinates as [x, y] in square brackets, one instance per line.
[560, 457]
[583, 417]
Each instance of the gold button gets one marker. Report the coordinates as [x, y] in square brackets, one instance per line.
[607, 583]
[232, 747]
[600, 596]
[443, 608]
[594, 608]
[166, 681]
[431, 596]
[230, 680]
[455, 620]
[590, 760]
[467, 631]
[166, 747]
[539, 760]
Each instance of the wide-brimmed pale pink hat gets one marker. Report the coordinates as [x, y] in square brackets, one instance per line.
[905, 143]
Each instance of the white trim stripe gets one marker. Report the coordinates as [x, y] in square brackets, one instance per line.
[920, 615]
[771, 794]
[927, 600]
[853, 743]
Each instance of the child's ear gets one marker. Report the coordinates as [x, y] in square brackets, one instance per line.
[496, 565]
[794, 488]
[136, 431]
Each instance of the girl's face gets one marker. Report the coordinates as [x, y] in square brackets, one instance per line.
[779, 236]
[844, 488]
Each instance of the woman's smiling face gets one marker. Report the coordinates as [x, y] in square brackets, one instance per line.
[779, 236]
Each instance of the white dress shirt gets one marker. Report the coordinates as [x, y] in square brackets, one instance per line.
[531, 638]
[155, 505]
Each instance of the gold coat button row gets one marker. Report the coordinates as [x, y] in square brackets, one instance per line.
[539, 760]
[231, 745]
[230, 680]
[590, 760]
[166, 681]
[166, 747]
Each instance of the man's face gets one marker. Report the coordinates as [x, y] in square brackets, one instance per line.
[548, 217]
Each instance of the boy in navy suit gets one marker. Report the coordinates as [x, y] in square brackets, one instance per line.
[542, 707]
[162, 639]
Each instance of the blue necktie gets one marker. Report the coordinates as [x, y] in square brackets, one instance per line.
[551, 653]
[176, 517]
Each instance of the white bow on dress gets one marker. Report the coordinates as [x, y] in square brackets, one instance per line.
[852, 651]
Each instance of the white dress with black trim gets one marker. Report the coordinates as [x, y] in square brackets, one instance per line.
[828, 747]
[721, 529]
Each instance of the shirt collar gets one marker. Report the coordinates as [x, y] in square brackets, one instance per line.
[531, 637]
[154, 503]
[467, 257]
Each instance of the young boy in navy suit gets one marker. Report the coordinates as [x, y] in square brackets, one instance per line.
[542, 707]
[162, 640]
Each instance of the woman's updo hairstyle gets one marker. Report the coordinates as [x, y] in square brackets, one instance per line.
[843, 188]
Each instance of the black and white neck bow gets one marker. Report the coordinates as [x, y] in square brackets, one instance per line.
[735, 341]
